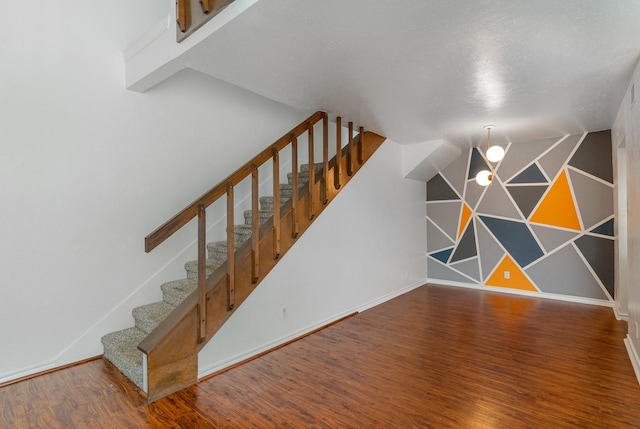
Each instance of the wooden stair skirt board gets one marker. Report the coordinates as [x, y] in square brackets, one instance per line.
[172, 347]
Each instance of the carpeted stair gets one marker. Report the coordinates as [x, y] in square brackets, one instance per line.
[121, 347]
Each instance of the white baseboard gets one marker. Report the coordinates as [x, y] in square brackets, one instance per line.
[25, 372]
[557, 297]
[633, 356]
[620, 316]
[241, 357]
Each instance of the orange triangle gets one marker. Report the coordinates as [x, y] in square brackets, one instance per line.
[516, 280]
[557, 208]
[464, 218]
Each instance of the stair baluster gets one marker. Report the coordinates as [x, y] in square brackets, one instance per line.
[361, 136]
[312, 170]
[276, 203]
[231, 267]
[255, 224]
[350, 152]
[336, 169]
[202, 273]
[294, 190]
[325, 159]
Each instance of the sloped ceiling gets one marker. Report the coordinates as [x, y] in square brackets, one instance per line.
[420, 70]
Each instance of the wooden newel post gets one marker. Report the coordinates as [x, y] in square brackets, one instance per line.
[202, 272]
[231, 269]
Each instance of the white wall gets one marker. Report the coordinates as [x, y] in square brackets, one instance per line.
[627, 128]
[366, 247]
[87, 169]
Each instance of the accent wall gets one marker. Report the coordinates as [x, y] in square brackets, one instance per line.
[544, 225]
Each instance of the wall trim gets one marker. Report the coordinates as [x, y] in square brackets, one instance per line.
[633, 356]
[38, 370]
[221, 366]
[620, 316]
[557, 297]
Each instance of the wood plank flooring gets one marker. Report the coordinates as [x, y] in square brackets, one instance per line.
[437, 357]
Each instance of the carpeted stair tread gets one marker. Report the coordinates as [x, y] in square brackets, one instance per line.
[266, 203]
[263, 216]
[148, 316]
[174, 292]
[191, 268]
[121, 349]
[212, 264]
[242, 233]
[304, 168]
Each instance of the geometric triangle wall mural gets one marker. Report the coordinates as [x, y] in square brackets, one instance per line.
[557, 208]
[509, 275]
[546, 226]
[464, 218]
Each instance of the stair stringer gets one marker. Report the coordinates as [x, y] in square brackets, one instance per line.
[172, 348]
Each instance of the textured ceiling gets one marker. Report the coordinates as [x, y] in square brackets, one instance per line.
[420, 70]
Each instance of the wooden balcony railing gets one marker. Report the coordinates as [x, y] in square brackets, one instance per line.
[219, 295]
[193, 14]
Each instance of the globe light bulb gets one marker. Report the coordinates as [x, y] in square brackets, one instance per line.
[484, 177]
[495, 153]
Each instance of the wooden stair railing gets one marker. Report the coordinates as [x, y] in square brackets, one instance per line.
[172, 347]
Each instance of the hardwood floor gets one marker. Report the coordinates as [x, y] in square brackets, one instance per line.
[437, 357]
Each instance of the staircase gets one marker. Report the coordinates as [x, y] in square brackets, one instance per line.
[159, 354]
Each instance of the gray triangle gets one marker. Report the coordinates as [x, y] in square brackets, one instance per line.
[469, 267]
[439, 190]
[594, 199]
[594, 155]
[466, 247]
[436, 239]
[490, 252]
[456, 172]
[565, 273]
[526, 197]
[553, 161]
[473, 194]
[496, 202]
[552, 238]
[599, 252]
[519, 155]
[446, 216]
[437, 271]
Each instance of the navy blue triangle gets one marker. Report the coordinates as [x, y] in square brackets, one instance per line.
[604, 229]
[442, 255]
[516, 238]
[476, 164]
[531, 174]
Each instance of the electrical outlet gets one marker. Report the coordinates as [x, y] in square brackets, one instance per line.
[283, 312]
[507, 275]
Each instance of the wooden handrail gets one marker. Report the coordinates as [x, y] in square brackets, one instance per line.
[167, 229]
[172, 347]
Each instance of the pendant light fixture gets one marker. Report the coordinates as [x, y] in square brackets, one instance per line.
[493, 154]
